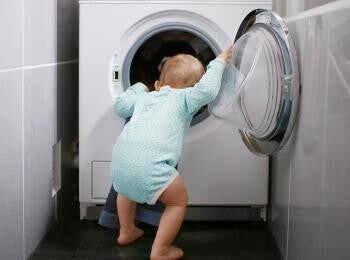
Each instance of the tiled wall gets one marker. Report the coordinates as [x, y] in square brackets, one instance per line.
[310, 209]
[308, 4]
[292, 7]
[38, 86]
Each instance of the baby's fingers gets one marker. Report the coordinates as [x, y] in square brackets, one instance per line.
[229, 51]
[226, 54]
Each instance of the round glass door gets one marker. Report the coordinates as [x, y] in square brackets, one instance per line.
[259, 91]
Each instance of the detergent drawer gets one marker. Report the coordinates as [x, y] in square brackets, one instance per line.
[100, 179]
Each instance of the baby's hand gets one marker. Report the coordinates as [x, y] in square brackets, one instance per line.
[226, 55]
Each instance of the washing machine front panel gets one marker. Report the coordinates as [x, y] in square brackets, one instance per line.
[108, 31]
[260, 88]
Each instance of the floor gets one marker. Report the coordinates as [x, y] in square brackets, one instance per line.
[75, 239]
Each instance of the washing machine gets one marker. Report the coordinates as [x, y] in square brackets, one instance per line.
[123, 42]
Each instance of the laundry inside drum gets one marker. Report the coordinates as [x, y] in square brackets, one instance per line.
[250, 93]
[147, 61]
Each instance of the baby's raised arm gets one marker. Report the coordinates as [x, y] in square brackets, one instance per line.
[124, 104]
[208, 87]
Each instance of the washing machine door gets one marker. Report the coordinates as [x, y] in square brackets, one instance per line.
[260, 86]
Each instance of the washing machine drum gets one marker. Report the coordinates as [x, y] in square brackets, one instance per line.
[260, 86]
[146, 61]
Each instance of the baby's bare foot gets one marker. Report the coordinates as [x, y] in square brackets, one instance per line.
[167, 253]
[128, 237]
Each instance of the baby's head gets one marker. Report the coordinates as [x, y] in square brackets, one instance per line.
[180, 71]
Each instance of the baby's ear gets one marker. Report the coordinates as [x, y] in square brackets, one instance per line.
[157, 85]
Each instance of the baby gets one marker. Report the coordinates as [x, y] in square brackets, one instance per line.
[148, 149]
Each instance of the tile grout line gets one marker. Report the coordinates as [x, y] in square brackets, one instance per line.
[22, 119]
[325, 132]
[288, 210]
[223, 2]
[37, 66]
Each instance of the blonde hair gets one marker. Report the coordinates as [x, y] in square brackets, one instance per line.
[180, 71]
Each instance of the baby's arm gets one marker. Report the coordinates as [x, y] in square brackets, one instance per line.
[208, 87]
[124, 104]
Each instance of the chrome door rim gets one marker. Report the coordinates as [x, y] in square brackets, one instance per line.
[290, 83]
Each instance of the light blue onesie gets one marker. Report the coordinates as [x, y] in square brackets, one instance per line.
[146, 152]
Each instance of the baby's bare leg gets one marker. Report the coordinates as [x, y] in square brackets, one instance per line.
[128, 232]
[175, 200]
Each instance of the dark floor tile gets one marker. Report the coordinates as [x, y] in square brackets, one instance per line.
[217, 256]
[206, 238]
[102, 241]
[59, 243]
[112, 257]
[75, 239]
[79, 257]
[220, 256]
[66, 237]
[51, 257]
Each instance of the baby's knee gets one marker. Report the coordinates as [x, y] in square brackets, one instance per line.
[179, 198]
[175, 194]
[183, 198]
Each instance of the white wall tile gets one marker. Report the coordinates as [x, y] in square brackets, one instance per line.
[11, 191]
[39, 94]
[335, 211]
[279, 201]
[304, 150]
[307, 157]
[50, 31]
[288, 7]
[40, 31]
[310, 130]
[320, 180]
[11, 33]
[315, 3]
[279, 6]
